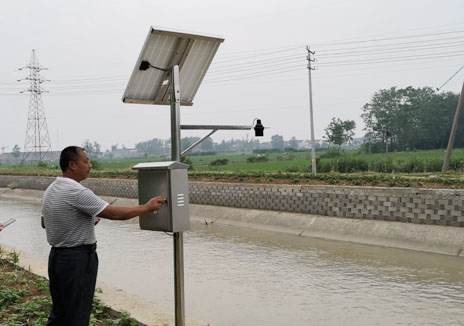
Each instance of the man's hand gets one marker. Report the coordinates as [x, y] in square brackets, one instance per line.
[125, 213]
[155, 203]
[1, 226]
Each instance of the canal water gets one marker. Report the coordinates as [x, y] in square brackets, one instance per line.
[244, 277]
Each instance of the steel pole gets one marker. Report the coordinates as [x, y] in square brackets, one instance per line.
[446, 162]
[178, 236]
[175, 114]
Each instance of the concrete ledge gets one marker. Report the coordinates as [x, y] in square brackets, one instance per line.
[427, 238]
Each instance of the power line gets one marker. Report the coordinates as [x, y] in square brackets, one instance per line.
[457, 72]
[285, 60]
[390, 38]
[394, 50]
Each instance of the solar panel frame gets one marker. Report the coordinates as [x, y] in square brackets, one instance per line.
[163, 49]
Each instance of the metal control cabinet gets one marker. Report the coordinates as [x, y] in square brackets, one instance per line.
[170, 180]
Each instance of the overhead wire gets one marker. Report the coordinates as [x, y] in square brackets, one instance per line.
[290, 59]
[446, 82]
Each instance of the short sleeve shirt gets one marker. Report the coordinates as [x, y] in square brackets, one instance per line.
[69, 210]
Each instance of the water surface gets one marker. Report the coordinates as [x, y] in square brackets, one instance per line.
[243, 277]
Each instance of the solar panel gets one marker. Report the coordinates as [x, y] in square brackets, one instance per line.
[150, 80]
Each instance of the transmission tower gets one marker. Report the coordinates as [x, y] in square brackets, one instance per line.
[37, 142]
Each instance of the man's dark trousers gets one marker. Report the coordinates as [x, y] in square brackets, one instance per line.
[73, 274]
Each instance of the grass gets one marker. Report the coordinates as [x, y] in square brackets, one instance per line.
[25, 298]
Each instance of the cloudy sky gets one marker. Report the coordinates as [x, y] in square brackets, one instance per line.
[90, 48]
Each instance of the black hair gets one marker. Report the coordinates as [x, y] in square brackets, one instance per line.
[70, 153]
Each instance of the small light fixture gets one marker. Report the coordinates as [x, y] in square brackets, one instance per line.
[259, 128]
[144, 65]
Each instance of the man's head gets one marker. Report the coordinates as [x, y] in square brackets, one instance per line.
[75, 163]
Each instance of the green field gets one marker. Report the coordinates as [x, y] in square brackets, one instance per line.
[347, 162]
[415, 169]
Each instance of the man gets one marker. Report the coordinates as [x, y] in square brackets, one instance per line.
[69, 213]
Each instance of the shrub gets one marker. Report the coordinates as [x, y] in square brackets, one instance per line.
[187, 160]
[350, 165]
[254, 159]
[96, 165]
[12, 185]
[291, 169]
[42, 164]
[330, 154]
[210, 153]
[219, 162]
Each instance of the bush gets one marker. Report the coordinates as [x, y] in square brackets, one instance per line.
[42, 164]
[219, 162]
[187, 160]
[211, 153]
[291, 169]
[13, 185]
[266, 150]
[350, 165]
[330, 154]
[254, 159]
[96, 165]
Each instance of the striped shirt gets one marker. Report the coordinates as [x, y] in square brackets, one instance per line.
[69, 210]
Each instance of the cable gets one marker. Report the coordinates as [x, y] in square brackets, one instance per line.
[387, 38]
[273, 64]
[394, 50]
[438, 89]
[259, 55]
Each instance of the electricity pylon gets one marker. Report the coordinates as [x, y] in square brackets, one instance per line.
[37, 142]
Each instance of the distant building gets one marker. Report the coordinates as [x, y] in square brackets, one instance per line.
[16, 158]
[124, 152]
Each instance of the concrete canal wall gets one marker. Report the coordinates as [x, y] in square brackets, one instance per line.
[443, 207]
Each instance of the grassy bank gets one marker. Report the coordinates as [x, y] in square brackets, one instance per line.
[25, 298]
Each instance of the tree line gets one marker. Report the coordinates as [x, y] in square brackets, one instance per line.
[406, 119]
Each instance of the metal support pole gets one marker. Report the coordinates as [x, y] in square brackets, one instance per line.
[313, 142]
[178, 236]
[175, 114]
[446, 162]
[179, 278]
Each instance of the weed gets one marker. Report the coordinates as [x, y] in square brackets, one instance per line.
[13, 185]
[13, 258]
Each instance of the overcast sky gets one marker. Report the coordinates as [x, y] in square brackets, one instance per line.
[90, 49]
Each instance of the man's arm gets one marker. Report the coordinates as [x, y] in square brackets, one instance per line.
[125, 213]
[1, 226]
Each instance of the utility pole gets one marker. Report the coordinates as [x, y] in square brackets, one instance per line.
[37, 140]
[446, 162]
[313, 142]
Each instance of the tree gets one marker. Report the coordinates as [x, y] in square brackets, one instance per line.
[339, 132]
[186, 142]
[153, 147]
[92, 149]
[277, 142]
[206, 145]
[348, 130]
[411, 118]
[293, 142]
